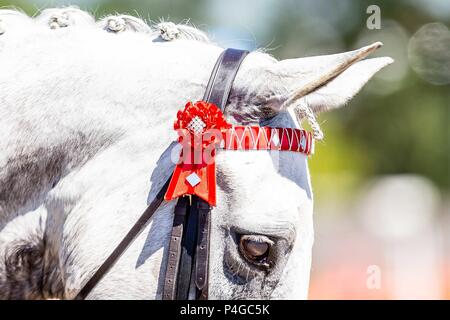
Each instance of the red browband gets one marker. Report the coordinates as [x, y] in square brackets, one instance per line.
[267, 138]
[196, 174]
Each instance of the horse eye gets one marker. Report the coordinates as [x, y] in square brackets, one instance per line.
[256, 249]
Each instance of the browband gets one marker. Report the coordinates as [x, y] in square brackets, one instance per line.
[268, 138]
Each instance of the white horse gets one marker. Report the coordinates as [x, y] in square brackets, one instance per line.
[86, 112]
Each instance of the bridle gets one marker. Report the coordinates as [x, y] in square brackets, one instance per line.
[186, 276]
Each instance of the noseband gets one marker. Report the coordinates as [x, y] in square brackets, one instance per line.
[186, 276]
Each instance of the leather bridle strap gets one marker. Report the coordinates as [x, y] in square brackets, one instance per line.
[202, 254]
[217, 92]
[124, 244]
[192, 279]
[222, 77]
[181, 210]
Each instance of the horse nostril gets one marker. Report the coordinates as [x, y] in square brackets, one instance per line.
[256, 249]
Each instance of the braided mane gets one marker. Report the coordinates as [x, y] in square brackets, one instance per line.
[71, 16]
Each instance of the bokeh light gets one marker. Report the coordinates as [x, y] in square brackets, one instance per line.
[429, 53]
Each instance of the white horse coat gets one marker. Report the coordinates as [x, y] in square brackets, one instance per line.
[85, 117]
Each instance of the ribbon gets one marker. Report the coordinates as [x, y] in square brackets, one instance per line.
[200, 127]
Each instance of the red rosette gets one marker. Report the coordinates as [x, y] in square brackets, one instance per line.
[209, 113]
[207, 117]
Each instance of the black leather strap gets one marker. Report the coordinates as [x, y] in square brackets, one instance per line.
[222, 77]
[217, 92]
[124, 244]
[188, 253]
[181, 209]
[202, 254]
[192, 280]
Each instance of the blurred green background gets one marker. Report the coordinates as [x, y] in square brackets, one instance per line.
[398, 124]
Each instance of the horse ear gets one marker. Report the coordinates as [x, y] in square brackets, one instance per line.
[338, 91]
[327, 82]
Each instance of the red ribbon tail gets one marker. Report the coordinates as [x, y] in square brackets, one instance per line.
[176, 188]
[205, 188]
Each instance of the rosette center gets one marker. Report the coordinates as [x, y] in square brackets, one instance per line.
[196, 125]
